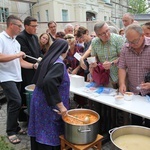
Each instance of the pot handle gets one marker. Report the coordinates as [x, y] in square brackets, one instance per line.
[85, 130]
[111, 130]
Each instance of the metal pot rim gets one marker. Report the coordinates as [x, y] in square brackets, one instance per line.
[112, 131]
[127, 126]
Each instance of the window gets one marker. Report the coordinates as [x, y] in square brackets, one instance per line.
[38, 15]
[64, 15]
[47, 16]
[4, 13]
[105, 18]
[106, 1]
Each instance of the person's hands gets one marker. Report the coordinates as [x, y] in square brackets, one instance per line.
[21, 54]
[93, 65]
[62, 109]
[82, 64]
[75, 71]
[145, 86]
[39, 59]
[35, 66]
[69, 70]
[122, 89]
[107, 65]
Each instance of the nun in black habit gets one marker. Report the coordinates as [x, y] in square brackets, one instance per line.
[51, 92]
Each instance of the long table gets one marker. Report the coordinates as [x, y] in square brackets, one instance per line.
[139, 105]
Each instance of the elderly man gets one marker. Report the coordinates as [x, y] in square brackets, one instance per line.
[68, 28]
[127, 19]
[106, 47]
[134, 61]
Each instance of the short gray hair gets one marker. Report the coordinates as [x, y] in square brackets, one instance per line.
[134, 27]
[129, 15]
[68, 25]
[99, 25]
[113, 29]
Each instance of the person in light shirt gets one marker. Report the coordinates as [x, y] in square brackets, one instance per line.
[69, 29]
[134, 63]
[11, 61]
[127, 19]
[146, 29]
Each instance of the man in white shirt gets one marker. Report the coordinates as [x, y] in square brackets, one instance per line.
[11, 62]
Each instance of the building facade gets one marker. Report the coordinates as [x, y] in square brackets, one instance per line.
[83, 12]
[80, 10]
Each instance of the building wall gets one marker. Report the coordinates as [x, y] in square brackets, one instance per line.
[119, 7]
[16, 8]
[47, 10]
[76, 9]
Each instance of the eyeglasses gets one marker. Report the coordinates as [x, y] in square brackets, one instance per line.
[104, 33]
[33, 26]
[52, 27]
[18, 25]
[135, 42]
[92, 35]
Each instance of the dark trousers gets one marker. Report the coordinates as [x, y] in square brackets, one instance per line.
[11, 91]
[38, 146]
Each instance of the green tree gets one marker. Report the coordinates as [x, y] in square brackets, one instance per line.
[138, 6]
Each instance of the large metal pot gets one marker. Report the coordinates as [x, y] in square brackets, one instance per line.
[81, 134]
[125, 130]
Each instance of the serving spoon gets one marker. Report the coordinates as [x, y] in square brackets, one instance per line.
[37, 59]
[85, 121]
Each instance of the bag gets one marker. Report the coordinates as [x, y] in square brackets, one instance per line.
[100, 75]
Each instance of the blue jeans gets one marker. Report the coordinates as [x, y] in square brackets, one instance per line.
[11, 91]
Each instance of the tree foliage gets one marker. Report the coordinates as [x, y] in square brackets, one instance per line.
[138, 6]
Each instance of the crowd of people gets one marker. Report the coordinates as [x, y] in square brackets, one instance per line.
[125, 53]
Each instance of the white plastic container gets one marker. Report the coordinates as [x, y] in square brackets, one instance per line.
[76, 81]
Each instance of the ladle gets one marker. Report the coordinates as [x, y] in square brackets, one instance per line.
[85, 121]
[38, 60]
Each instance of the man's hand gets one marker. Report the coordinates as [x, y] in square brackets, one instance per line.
[93, 65]
[145, 86]
[35, 66]
[20, 54]
[82, 64]
[122, 89]
[107, 65]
